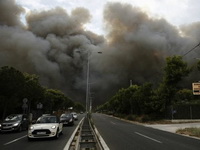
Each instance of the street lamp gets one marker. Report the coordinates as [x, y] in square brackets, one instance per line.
[87, 80]
[87, 86]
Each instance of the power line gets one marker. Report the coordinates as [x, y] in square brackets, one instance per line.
[191, 49]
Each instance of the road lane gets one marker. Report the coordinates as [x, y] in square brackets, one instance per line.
[120, 135]
[15, 140]
[12, 141]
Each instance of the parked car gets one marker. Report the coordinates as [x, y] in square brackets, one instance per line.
[46, 127]
[14, 122]
[75, 116]
[67, 119]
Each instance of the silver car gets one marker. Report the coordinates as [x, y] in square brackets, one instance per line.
[14, 122]
[75, 116]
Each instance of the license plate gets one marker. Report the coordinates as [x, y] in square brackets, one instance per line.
[6, 127]
[41, 132]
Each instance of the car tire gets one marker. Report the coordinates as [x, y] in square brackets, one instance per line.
[57, 134]
[20, 128]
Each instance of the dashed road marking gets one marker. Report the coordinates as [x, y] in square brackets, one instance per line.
[112, 122]
[148, 137]
[15, 140]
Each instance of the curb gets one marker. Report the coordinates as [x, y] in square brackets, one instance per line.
[101, 140]
[72, 136]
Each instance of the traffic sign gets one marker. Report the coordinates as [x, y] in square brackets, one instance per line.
[196, 88]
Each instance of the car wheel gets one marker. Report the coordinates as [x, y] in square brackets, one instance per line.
[57, 134]
[72, 123]
[20, 128]
[61, 132]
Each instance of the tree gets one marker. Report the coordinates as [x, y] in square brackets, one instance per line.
[11, 83]
[133, 98]
[144, 95]
[184, 95]
[33, 91]
[175, 70]
[55, 100]
[15, 86]
[79, 107]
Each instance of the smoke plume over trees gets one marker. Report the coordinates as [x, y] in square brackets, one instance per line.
[134, 48]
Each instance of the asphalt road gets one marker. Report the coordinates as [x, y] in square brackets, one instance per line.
[122, 135]
[19, 141]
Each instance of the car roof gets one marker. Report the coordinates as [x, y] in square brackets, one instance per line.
[66, 114]
[49, 116]
[15, 115]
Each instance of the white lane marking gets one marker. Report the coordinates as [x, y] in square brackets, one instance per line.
[113, 123]
[103, 143]
[15, 140]
[148, 137]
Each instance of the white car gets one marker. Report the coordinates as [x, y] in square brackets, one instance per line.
[75, 116]
[45, 127]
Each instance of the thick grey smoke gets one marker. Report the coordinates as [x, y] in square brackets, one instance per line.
[54, 45]
[57, 21]
[10, 13]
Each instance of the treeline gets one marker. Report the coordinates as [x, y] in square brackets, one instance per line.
[16, 86]
[149, 102]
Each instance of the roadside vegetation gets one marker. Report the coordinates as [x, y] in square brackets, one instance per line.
[189, 131]
[149, 102]
[15, 86]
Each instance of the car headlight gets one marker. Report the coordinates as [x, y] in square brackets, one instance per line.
[53, 127]
[31, 127]
[70, 120]
[16, 124]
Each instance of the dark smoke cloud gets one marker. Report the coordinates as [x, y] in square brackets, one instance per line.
[10, 13]
[57, 21]
[138, 44]
[55, 45]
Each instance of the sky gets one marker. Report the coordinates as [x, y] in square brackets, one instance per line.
[176, 12]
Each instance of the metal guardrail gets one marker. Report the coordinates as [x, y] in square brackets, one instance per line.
[85, 137]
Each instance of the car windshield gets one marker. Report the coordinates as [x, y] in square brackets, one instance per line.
[65, 115]
[13, 118]
[47, 119]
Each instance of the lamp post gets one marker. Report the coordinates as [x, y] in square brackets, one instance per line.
[87, 86]
[87, 81]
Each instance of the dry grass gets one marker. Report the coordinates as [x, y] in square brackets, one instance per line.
[189, 131]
